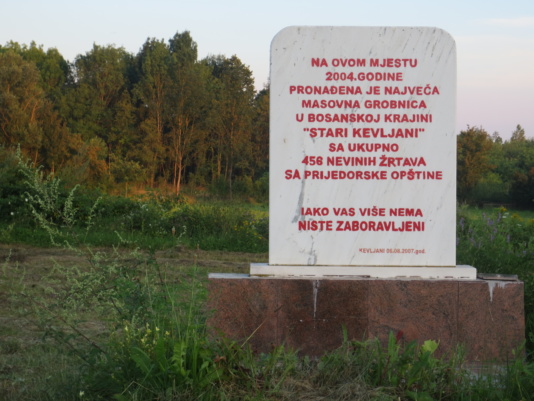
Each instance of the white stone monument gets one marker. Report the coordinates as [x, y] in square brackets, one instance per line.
[363, 153]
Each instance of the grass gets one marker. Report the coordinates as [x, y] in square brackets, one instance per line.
[124, 318]
[43, 358]
[477, 213]
[236, 227]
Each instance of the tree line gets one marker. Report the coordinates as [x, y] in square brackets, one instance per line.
[494, 171]
[161, 117]
[164, 118]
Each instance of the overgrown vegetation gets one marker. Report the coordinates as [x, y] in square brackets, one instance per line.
[493, 171]
[119, 323]
[163, 119]
[117, 121]
[40, 210]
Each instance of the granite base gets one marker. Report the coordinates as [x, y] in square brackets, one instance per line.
[310, 314]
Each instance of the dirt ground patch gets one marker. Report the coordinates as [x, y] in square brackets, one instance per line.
[35, 260]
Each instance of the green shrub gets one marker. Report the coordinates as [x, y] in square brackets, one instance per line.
[406, 370]
[78, 215]
[262, 187]
[13, 207]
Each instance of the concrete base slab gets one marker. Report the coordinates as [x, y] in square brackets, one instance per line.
[453, 272]
[310, 314]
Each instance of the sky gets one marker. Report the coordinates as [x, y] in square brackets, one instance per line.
[494, 38]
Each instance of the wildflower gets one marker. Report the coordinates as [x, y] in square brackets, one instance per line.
[82, 393]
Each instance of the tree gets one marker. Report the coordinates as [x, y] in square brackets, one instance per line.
[157, 115]
[187, 103]
[21, 98]
[36, 81]
[496, 138]
[260, 132]
[511, 177]
[88, 164]
[55, 72]
[519, 153]
[473, 149]
[518, 135]
[58, 144]
[522, 190]
[494, 185]
[151, 93]
[232, 115]
[101, 104]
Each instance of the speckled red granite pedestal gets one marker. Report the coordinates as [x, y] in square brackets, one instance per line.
[487, 317]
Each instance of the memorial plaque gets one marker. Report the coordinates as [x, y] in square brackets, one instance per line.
[363, 183]
[362, 147]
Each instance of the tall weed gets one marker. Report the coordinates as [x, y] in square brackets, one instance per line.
[52, 206]
[407, 370]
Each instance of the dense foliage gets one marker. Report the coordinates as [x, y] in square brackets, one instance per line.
[163, 119]
[116, 120]
[39, 209]
[494, 171]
